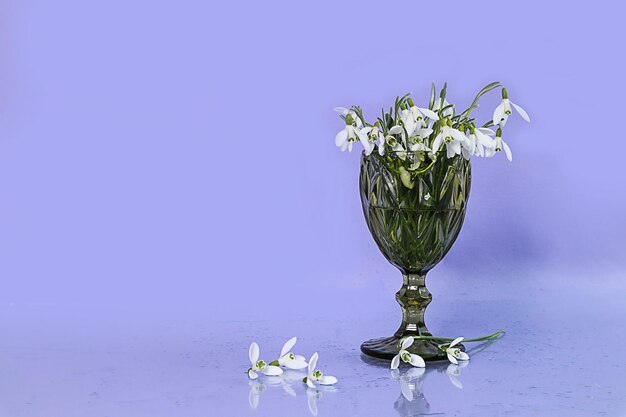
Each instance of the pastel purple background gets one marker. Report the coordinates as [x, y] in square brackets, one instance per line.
[173, 162]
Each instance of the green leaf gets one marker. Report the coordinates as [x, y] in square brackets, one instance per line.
[482, 92]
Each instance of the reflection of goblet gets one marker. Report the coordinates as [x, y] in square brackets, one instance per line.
[414, 216]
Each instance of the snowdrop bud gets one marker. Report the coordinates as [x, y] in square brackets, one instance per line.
[349, 119]
[505, 94]
[499, 132]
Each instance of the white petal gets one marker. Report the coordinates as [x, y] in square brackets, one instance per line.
[288, 345]
[342, 110]
[295, 364]
[451, 358]
[498, 113]
[507, 151]
[252, 374]
[327, 380]
[462, 356]
[299, 358]
[521, 112]
[395, 362]
[456, 341]
[486, 131]
[458, 135]
[310, 383]
[350, 144]
[272, 370]
[417, 361]
[407, 342]
[406, 390]
[253, 353]
[396, 130]
[341, 137]
[313, 363]
[429, 113]
[437, 142]
[424, 133]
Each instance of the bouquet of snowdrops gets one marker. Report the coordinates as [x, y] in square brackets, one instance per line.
[428, 132]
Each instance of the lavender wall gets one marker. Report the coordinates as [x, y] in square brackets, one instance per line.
[160, 155]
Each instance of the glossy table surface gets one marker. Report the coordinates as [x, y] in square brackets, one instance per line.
[562, 355]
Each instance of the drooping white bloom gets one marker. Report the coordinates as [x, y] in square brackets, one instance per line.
[350, 133]
[408, 121]
[406, 356]
[345, 112]
[316, 376]
[260, 365]
[417, 142]
[477, 141]
[503, 110]
[288, 359]
[420, 113]
[373, 134]
[456, 354]
[499, 145]
[453, 139]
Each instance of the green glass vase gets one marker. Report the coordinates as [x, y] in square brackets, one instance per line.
[414, 211]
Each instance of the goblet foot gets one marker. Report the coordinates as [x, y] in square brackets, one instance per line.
[387, 348]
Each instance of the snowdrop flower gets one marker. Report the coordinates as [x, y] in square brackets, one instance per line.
[350, 133]
[287, 359]
[499, 145]
[417, 140]
[373, 135]
[315, 375]
[345, 112]
[408, 121]
[456, 354]
[452, 138]
[503, 111]
[406, 356]
[260, 365]
[420, 113]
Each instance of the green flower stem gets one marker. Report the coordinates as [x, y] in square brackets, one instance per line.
[450, 339]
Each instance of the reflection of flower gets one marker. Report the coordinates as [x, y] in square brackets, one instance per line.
[406, 379]
[406, 356]
[453, 371]
[314, 395]
[285, 380]
[455, 354]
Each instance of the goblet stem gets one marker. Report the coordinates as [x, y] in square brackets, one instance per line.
[413, 298]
